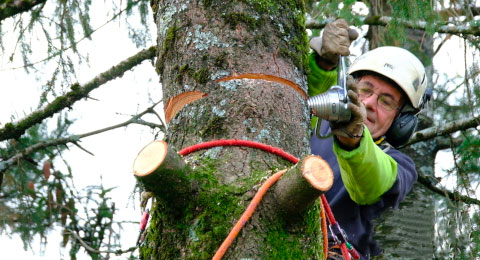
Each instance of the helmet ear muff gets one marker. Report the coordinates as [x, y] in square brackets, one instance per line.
[402, 129]
[405, 123]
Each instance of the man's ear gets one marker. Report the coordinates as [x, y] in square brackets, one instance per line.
[402, 128]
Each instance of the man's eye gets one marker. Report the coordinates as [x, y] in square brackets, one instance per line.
[366, 91]
[388, 102]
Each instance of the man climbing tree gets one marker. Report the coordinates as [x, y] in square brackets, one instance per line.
[386, 92]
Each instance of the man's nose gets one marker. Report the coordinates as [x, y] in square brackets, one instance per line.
[370, 102]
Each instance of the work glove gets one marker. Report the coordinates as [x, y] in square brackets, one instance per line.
[354, 127]
[335, 41]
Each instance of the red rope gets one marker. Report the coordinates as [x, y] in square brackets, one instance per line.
[332, 221]
[345, 253]
[239, 142]
[328, 211]
[261, 192]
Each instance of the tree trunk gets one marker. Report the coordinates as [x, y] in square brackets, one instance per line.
[407, 233]
[241, 65]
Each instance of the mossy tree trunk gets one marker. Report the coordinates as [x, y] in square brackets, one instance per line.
[408, 233]
[200, 44]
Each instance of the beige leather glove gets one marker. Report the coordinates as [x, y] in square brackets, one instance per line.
[354, 127]
[335, 41]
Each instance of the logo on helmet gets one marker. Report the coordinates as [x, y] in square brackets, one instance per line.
[415, 84]
[388, 65]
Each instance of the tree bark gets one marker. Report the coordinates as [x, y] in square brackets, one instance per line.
[214, 48]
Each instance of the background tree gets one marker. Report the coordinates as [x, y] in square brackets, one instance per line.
[199, 43]
[407, 233]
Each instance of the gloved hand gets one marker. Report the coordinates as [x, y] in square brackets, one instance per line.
[354, 127]
[335, 41]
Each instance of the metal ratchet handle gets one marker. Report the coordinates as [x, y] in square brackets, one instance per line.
[342, 77]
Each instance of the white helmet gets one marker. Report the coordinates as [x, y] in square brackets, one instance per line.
[399, 65]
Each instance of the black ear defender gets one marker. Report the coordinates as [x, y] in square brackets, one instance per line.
[401, 129]
[405, 124]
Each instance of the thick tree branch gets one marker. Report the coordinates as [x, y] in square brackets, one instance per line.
[448, 128]
[443, 143]
[385, 20]
[455, 196]
[16, 129]
[75, 138]
[161, 170]
[302, 184]
[13, 7]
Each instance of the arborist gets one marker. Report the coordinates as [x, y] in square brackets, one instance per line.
[386, 90]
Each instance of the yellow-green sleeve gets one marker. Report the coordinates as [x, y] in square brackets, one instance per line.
[366, 171]
[319, 80]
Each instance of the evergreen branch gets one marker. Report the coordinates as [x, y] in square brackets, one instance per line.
[81, 148]
[16, 129]
[462, 179]
[72, 46]
[74, 139]
[421, 25]
[96, 251]
[448, 128]
[450, 92]
[455, 196]
[11, 8]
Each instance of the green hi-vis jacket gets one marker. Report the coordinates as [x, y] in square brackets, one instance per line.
[367, 180]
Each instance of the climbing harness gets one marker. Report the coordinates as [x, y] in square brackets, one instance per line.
[338, 234]
[336, 231]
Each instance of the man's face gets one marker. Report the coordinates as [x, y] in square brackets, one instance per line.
[379, 115]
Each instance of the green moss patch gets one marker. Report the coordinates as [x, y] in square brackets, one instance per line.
[202, 76]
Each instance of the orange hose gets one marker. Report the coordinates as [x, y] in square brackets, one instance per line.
[247, 214]
[324, 231]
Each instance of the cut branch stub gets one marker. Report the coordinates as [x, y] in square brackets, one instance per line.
[303, 184]
[162, 171]
[178, 102]
[317, 172]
